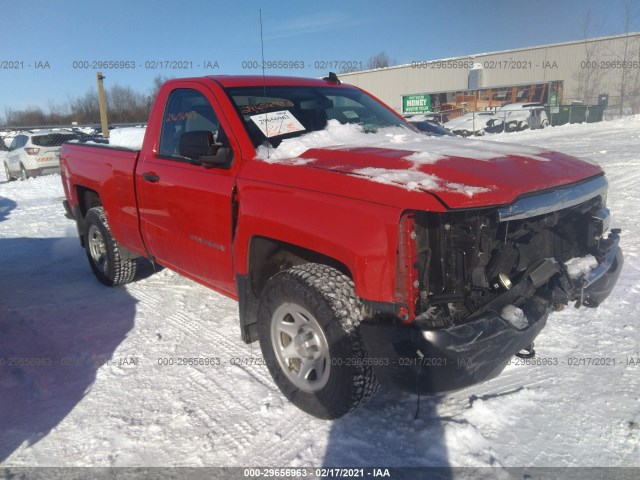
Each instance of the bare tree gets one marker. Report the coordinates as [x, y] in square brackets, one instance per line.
[85, 109]
[379, 60]
[630, 82]
[157, 83]
[589, 76]
[31, 115]
[629, 87]
[58, 114]
[126, 105]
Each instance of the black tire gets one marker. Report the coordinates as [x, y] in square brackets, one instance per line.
[7, 172]
[327, 315]
[104, 253]
[24, 175]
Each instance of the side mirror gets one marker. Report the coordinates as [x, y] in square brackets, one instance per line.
[200, 146]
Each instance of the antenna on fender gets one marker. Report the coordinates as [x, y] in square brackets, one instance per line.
[264, 91]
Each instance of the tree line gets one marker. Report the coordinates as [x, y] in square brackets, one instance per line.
[124, 105]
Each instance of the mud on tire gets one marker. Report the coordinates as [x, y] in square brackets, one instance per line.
[308, 320]
[105, 256]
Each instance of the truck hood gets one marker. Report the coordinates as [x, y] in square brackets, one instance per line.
[460, 173]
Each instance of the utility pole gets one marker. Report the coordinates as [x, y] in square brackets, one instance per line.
[103, 105]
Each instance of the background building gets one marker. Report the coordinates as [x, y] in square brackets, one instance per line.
[593, 71]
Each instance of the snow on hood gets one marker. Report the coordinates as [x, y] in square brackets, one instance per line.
[399, 156]
[425, 148]
[417, 180]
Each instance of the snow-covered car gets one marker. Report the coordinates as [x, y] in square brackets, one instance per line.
[431, 128]
[522, 116]
[36, 152]
[425, 117]
[474, 123]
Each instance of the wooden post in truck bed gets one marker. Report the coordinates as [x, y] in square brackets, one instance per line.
[103, 105]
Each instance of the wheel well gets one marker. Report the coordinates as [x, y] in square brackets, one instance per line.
[87, 199]
[268, 257]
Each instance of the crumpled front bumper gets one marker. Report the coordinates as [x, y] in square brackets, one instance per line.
[428, 361]
[596, 286]
[431, 360]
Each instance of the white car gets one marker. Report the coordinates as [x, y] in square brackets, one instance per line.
[35, 152]
[521, 116]
[474, 123]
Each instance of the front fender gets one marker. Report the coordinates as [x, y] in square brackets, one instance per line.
[358, 234]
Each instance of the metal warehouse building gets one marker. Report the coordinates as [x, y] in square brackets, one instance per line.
[591, 71]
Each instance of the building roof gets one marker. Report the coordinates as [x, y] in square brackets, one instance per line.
[499, 52]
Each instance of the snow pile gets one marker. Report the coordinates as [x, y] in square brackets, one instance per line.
[515, 316]
[130, 137]
[580, 266]
[416, 180]
[424, 157]
[334, 135]
[426, 148]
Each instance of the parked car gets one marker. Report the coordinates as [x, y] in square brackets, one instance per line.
[431, 127]
[475, 124]
[522, 116]
[432, 117]
[355, 257]
[35, 152]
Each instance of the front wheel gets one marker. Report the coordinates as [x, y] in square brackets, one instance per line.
[308, 321]
[105, 255]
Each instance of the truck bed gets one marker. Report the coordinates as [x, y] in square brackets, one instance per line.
[110, 170]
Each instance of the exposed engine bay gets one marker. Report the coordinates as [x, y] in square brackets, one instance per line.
[477, 261]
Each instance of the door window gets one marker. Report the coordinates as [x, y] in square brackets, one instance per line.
[188, 111]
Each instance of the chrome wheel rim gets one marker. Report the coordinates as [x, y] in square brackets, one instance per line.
[98, 248]
[23, 173]
[301, 347]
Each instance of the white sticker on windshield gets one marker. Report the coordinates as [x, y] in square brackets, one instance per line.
[350, 114]
[274, 124]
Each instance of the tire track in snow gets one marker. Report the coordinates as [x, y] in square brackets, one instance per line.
[232, 429]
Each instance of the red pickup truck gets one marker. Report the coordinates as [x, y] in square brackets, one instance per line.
[359, 249]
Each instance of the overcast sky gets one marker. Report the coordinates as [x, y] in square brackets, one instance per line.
[52, 43]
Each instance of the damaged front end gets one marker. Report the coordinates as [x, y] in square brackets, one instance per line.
[475, 287]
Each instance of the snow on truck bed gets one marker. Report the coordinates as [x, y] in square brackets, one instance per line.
[129, 137]
[110, 396]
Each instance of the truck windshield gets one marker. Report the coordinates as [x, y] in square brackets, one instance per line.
[277, 113]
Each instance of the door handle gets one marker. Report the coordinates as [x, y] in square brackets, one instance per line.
[150, 177]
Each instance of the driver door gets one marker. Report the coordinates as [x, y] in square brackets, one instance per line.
[186, 208]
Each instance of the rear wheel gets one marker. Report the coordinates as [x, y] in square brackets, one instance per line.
[105, 256]
[308, 321]
[7, 173]
[24, 175]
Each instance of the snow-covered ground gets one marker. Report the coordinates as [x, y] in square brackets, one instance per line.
[94, 389]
